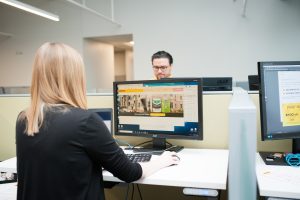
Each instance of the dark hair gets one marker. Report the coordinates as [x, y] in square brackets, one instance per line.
[162, 54]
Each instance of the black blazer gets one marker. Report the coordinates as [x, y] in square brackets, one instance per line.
[65, 159]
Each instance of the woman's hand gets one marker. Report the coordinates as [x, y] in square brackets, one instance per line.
[166, 159]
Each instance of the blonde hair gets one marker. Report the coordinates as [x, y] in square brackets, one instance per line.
[58, 77]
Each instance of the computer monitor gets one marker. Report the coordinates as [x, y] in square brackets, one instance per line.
[253, 82]
[159, 109]
[107, 115]
[280, 101]
[212, 83]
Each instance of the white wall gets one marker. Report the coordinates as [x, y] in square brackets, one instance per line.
[129, 65]
[100, 67]
[124, 65]
[205, 37]
[30, 31]
[120, 63]
[210, 37]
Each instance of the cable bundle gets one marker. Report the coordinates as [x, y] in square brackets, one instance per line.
[293, 159]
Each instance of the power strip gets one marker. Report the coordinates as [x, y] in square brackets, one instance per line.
[200, 192]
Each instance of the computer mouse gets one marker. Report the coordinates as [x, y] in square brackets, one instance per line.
[176, 157]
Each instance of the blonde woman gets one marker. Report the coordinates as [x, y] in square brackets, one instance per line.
[61, 146]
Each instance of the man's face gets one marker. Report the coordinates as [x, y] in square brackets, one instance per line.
[161, 68]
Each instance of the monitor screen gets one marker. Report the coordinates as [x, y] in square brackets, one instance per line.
[106, 115]
[279, 99]
[159, 109]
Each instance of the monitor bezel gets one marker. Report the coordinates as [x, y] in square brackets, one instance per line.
[158, 135]
[262, 105]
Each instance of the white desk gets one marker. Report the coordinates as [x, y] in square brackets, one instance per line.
[277, 181]
[8, 191]
[9, 165]
[198, 168]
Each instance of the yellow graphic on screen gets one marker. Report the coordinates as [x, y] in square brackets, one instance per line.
[291, 114]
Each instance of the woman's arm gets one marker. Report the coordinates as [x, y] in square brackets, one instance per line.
[166, 159]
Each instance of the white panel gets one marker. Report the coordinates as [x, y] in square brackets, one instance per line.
[242, 147]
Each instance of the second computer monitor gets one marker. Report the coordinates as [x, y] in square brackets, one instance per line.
[159, 109]
[106, 115]
[280, 101]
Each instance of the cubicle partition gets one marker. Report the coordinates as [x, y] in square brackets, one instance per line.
[10, 107]
[215, 116]
[215, 119]
[215, 124]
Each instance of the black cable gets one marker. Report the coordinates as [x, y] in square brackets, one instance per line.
[169, 143]
[142, 143]
[132, 191]
[123, 142]
[127, 191]
[149, 141]
[138, 187]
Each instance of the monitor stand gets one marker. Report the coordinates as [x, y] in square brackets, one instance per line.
[157, 146]
[270, 158]
[296, 145]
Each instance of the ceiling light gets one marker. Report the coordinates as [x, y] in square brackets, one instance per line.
[31, 9]
[129, 44]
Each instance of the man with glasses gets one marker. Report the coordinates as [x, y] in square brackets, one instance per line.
[162, 65]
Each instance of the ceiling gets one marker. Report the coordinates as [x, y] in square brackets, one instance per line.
[120, 42]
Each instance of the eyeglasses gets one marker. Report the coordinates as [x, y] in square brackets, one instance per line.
[161, 68]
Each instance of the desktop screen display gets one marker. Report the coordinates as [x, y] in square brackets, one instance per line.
[159, 108]
[279, 99]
